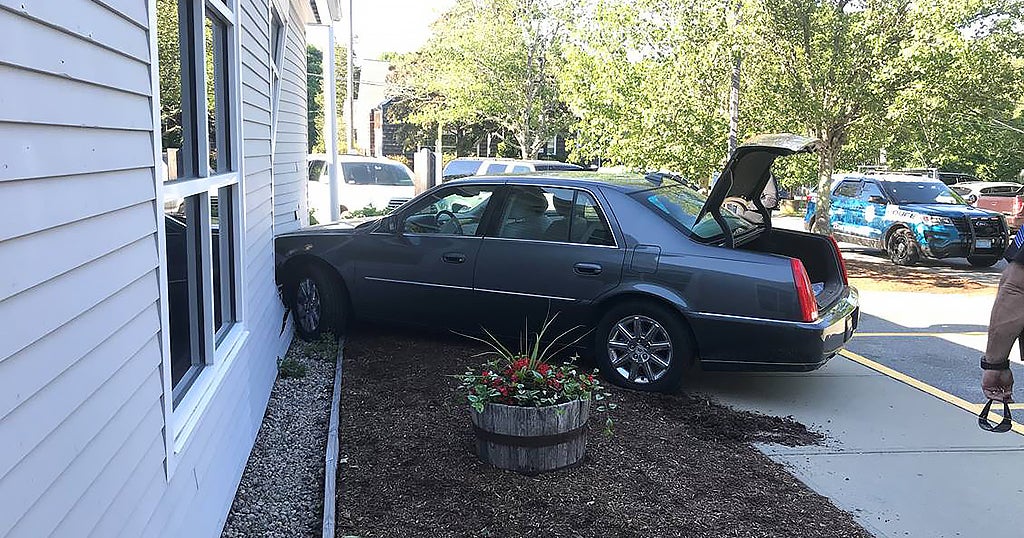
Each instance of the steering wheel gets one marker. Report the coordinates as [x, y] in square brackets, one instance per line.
[736, 205]
[452, 220]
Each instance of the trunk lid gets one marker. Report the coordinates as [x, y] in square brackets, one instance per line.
[748, 172]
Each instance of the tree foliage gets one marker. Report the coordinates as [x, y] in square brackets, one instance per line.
[315, 98]
[489, 62]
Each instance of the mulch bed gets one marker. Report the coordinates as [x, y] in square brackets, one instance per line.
[676, 465]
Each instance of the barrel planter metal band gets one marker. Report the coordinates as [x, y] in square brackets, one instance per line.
[532, 440]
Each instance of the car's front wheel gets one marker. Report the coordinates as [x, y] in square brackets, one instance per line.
[318, 303]
[643, 345]
[902, 247]
[982, 261]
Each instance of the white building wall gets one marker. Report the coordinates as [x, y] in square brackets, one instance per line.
[290, 150]
[82, 446]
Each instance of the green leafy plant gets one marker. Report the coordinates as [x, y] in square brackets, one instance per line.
[312, 217]
[368, 211]
[527, 378]
[290, 368]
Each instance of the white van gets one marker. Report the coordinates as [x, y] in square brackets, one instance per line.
[362, 181]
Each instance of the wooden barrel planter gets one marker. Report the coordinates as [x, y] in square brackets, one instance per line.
[532, 440]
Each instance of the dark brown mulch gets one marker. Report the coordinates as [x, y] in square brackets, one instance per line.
[676, 465]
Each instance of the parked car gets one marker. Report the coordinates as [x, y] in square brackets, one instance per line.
[474, 166]
[362, 181]
[910, 217]
[1008, 202]
[664, 276]
[972, 190]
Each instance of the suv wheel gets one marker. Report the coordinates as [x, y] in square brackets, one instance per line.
[902, 247]
[982, 261]
[642, 345]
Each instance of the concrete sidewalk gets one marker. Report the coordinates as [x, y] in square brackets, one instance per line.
[903, 462]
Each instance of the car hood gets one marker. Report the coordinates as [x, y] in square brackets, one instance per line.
[947, 210]
[340, 226]
[749, 170]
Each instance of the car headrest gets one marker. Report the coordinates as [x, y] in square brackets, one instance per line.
[528, 203]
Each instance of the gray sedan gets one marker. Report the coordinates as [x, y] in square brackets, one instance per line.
[663, 276]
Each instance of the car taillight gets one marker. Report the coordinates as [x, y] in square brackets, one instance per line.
[842, 262]
[808, 306]
[1018, 205]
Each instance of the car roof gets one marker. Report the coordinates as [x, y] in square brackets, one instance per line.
[350, 158]
[627, 183]
[891, 177]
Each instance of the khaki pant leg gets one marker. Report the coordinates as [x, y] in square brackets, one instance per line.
[1007, 321]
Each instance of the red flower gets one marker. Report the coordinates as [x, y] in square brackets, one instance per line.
[503, 391]
[486, 374]
[590, 378]
[555, 384]
[543, 369]
[515, 377]
[558, 375]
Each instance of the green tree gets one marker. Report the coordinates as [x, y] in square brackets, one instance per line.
[489, 61]
[314, 98]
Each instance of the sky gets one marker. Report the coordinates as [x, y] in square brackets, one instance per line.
[390, 25]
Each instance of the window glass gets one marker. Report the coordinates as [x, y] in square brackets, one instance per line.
[461, 168]
[373, 173]
[588, 225]
[536, 213]
[222, 240]
[177, 108]
[869, 189]
[921, 192]
[184, 267]
[520, 169]
[457, 211]
[848, 189]
[496, 168]
[216, 60]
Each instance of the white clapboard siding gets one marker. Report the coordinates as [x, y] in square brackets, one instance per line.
[81, 395]
[290, 210]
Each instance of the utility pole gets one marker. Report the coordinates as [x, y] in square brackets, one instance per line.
[349, 83]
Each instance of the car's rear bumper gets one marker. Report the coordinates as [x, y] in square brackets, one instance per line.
[739, 343]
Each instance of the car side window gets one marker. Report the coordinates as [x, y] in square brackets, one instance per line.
[520, 169]
[452, 211]
[848, 189]
[553, 214]
[868, 190]
[495, 168]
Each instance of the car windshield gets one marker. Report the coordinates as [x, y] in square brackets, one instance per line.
[374, 173]
[921, 192]
[680, 205]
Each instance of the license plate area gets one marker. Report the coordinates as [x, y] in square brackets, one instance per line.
[982, 243]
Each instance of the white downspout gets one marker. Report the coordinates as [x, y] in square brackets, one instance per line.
[331, 125]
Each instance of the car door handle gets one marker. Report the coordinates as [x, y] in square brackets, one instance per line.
[587, 268]
[453, 257]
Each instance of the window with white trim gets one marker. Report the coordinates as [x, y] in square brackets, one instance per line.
[200, 183]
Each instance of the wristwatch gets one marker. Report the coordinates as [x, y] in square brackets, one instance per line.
[1005, 365]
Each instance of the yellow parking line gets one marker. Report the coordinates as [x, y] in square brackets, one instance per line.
[908, 333]
[925, 387]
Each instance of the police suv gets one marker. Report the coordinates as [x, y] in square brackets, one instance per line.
[910, 217]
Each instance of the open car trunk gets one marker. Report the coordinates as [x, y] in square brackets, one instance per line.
[817, 254]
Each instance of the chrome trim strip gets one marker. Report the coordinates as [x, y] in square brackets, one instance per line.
[449, 286]
[751, 318]
[429, 284]
[527, 295]
[542, 241]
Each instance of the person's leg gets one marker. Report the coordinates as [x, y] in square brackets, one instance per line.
[1007, 319]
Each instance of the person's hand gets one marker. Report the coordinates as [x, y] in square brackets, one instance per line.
[997, 385]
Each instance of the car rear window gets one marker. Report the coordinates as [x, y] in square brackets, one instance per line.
[461, 168]
[374, 173]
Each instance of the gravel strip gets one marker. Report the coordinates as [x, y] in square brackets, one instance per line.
[281, 492]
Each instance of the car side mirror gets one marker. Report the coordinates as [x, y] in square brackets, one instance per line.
[875, 199]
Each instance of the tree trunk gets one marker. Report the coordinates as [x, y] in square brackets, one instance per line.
[826, 165]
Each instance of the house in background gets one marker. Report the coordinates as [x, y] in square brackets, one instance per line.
[150, 150]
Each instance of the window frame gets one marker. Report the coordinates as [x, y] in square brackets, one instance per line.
[485, 219]
[183, 409]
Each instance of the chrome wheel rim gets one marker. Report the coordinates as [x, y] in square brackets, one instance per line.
[307, 305]
[640, 349]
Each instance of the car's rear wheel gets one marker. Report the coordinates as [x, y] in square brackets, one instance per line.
[902, 247]
[318, 302]
[982, 261]
[642, 345]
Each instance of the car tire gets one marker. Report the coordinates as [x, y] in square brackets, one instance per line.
[982, 261]
[902, 247]
[638, 359]
[318, 303]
